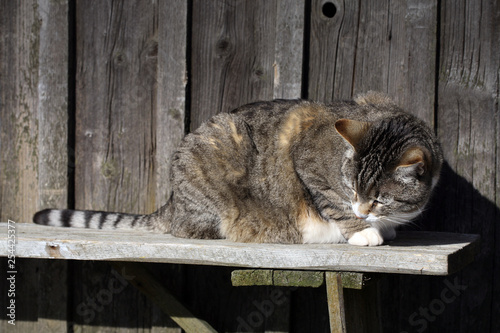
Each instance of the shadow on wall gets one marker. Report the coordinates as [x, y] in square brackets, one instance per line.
[467, 301]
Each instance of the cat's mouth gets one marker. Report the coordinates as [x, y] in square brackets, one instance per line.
[368, 218]
[357, 211]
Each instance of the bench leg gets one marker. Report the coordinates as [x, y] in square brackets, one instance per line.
[335, 295]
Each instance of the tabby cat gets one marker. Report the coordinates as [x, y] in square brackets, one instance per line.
[292, 171]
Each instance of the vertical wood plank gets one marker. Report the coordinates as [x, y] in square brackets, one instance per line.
[19, 135]
[335, 297]
[289, 49]
[233, 50]
[33, 144]
[116, 105]
[387, 46]
[53, 104]
[116, 114]
[172, 81]
[396, 51]
[495, 309]
[467, 116]
[173, 18]
[53, 93]
[411, 60]
[361, 310]
[332, 50]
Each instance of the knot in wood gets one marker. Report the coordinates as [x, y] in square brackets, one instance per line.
[223, 47]
[119, 59]
[329, 9]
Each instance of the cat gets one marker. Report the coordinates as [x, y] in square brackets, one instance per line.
[292, 171]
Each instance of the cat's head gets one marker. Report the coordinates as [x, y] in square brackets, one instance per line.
[390, 169]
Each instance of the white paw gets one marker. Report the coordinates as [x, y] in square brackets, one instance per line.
[369, 236]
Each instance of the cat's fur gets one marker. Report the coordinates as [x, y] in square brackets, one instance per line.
[292, 172]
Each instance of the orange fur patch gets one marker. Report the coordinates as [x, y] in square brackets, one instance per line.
[234, 133]
[298, 120]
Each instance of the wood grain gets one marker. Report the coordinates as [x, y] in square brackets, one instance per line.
[33, 142]
[169, 124]
[335, 297]
[242, 52]
[21, 25]
[388, 46]
[172, 82]
[232, 55]
[145, 68]
[418, 253]
[467, 116]
[116, 106]
[116, 118]
[332, 51]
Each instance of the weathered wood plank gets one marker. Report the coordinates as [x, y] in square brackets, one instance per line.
[411, 58]
[280, 278]
[332, 50]
[335, 297]
[284, 278]
[468, 99]
[172, 82]
[53, 90]
[20, 24]
[33, 144]
[244, 51]
[117, 51]
[386, 45]
[116, 119]
[289, 49]
[411, 253]
[232, 55]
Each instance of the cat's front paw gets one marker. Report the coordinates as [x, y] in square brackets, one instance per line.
[369, 236]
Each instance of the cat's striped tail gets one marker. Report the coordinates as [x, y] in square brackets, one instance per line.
[97, 220]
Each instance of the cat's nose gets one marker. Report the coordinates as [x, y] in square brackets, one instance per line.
[357, 211]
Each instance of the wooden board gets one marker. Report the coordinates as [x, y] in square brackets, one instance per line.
[411, 253]
[116, 119]
[467, 119]
[378, 45]
[34, 62]
[242, 52]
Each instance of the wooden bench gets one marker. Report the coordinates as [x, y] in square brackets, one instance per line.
[338, 266]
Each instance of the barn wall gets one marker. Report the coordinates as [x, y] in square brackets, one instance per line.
[96, 95]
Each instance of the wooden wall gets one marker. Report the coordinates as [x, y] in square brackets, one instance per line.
[95, 96]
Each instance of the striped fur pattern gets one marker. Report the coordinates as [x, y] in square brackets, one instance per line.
[292, 171]
[92, 219]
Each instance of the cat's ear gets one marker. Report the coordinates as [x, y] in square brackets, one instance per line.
[352, 130]
[413, 161]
